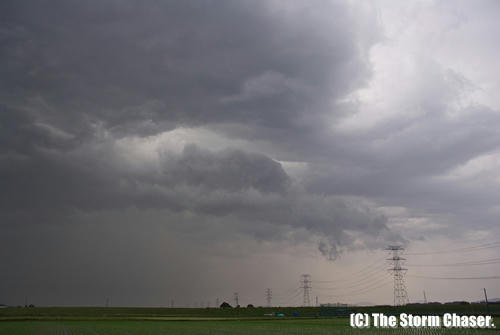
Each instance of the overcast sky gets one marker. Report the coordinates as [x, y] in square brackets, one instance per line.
[184, 150]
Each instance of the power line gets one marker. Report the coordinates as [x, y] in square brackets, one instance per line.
[287, 293]
[457, 278]
[294, 297]
[380, 281]
[467, 263]
[364, 271]
[486, 301]
[356, 284]
[362, 291]
[464, 249]
[364, 288]
[362, 278]
[373, 274]
[289, 299]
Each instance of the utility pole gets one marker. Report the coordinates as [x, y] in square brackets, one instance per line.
[306, 286]
[172, 303]
[235, 297]
[486, 300]
[269, 296]
[317, 303]
[425, 298]
[400, 294]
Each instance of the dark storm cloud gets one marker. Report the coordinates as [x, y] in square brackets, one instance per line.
[250, 188]
[421, 148]
[76, 75]
[88, 90]
[231, 170]
[128, 62]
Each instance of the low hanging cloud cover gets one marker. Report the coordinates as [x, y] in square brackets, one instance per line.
[300, 122]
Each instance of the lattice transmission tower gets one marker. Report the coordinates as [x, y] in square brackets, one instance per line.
[269, 296]
[236, 299]
[306, 286]
[400, 294]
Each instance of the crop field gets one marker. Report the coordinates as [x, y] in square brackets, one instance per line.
[187, 321]
[331, 326]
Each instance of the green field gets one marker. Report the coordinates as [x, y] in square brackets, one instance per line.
[153, 321]
[331, 326]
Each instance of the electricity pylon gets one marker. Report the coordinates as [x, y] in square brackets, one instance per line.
[400, 294]
[269, 296]
[306, 286]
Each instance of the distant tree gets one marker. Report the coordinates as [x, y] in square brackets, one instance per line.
[31, 305]
[225, 305]
[250, 306]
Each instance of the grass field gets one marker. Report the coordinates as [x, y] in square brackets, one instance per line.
[198, 321]
[331, 326]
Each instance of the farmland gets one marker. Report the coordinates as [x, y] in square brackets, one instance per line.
[248, 321]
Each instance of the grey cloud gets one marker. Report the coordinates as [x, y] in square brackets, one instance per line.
[231, 170]
[421, 147]
[402, 160]
[23, 134]
[244, 69]
[251, 188]
[78, 77]
[200, 63]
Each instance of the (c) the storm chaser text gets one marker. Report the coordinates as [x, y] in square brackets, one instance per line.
[448, 320]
